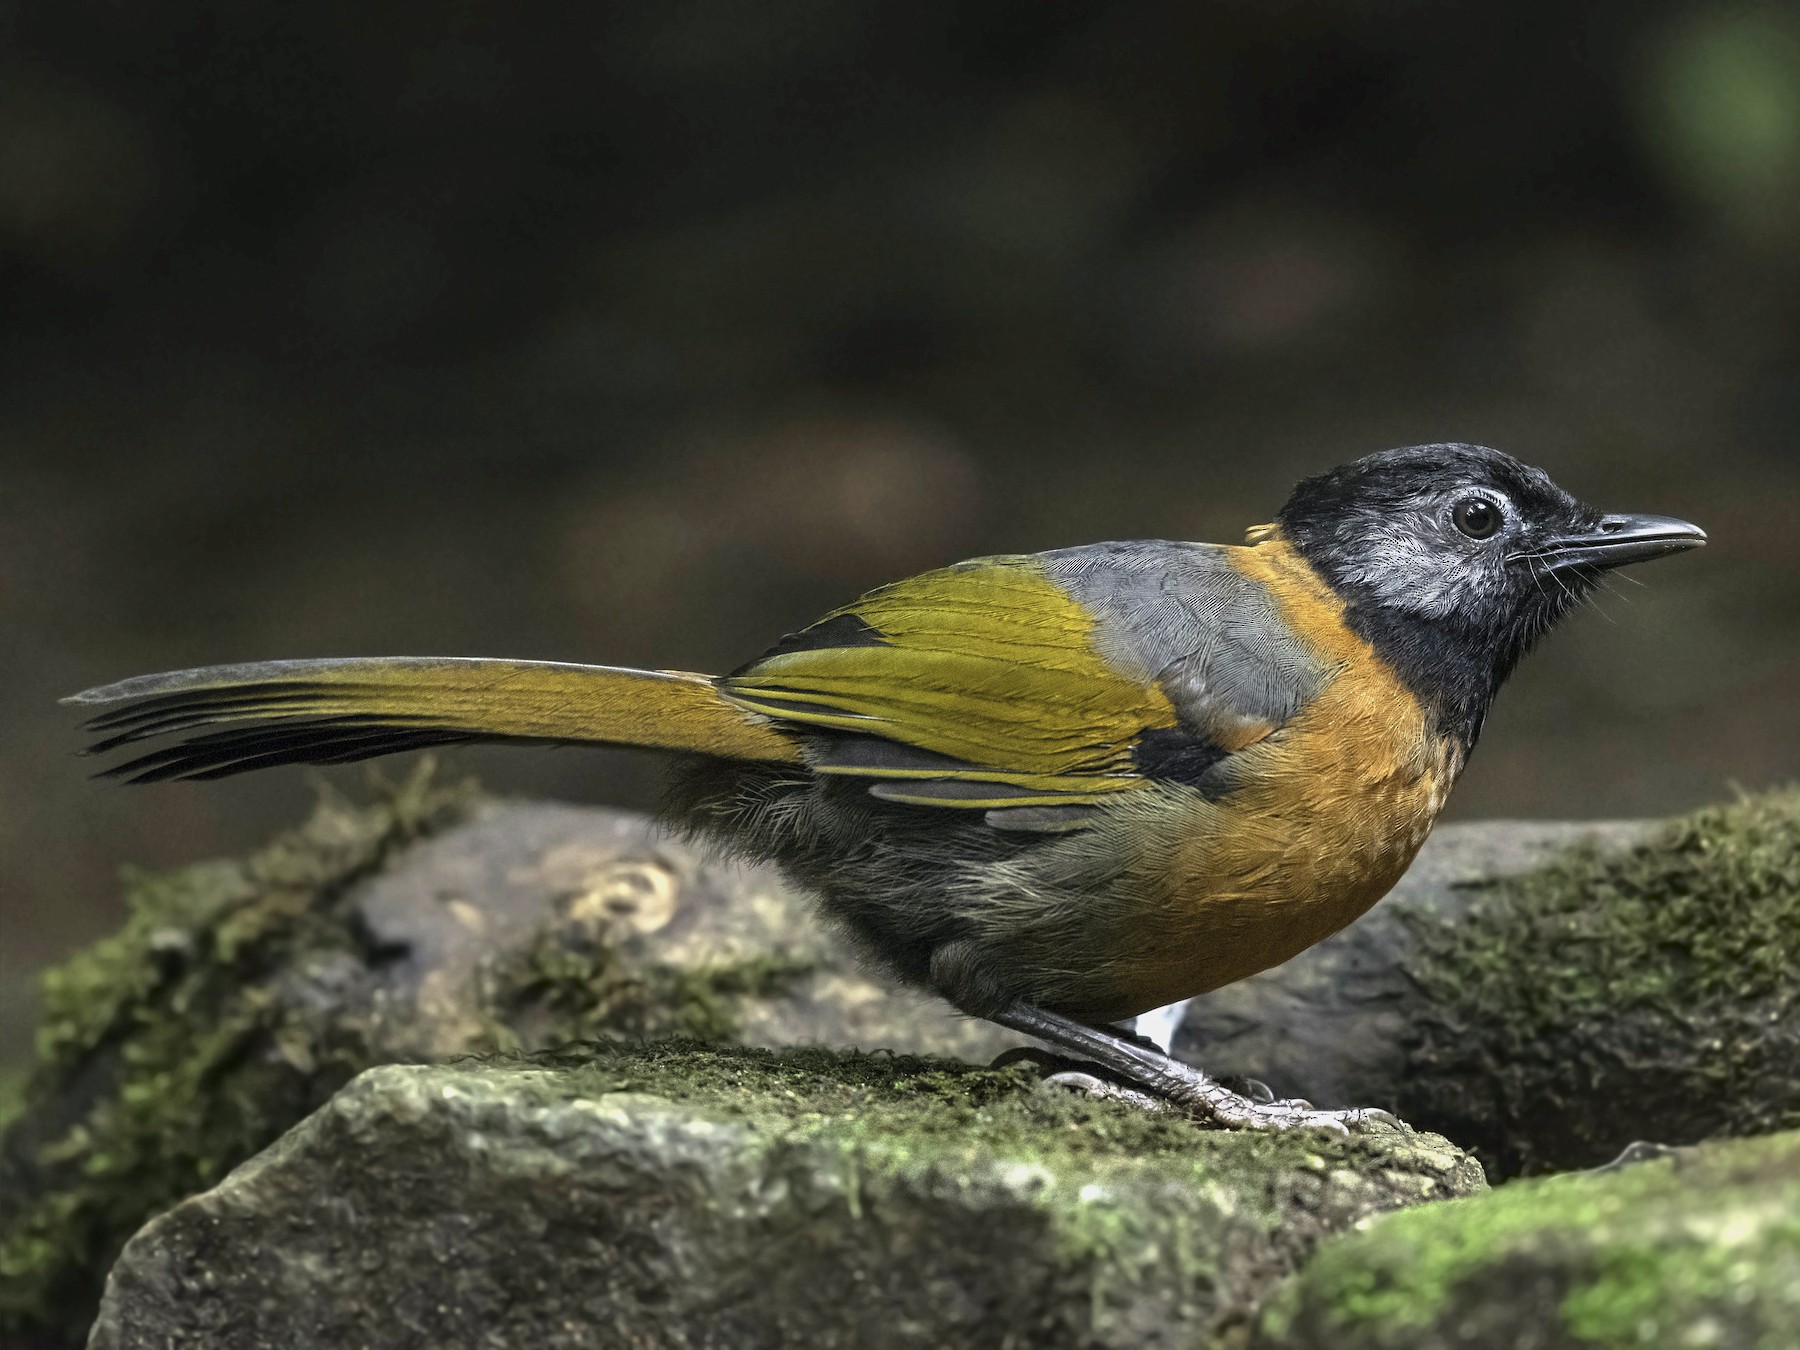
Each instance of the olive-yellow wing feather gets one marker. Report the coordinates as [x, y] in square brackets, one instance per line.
[987, 673]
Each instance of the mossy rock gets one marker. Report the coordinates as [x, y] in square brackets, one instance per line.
[428, 924]
[1700, 1249]
[1628, 989]
[1617, 996]
[180, 1046]
[675, 1195]
[1548, 1005]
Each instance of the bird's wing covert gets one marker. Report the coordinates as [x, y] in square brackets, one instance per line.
[1025, 686]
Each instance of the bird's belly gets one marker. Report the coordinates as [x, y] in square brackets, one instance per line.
[1324, 826]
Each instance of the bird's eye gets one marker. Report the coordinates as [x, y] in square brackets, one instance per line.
[1476, 517]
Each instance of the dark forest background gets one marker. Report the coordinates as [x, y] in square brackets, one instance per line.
[642, 332]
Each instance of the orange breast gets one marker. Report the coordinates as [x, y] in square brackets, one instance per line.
[1332, 809]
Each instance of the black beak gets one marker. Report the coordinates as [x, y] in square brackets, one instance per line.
[1618, 540]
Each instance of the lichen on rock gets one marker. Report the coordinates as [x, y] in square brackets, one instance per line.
[674, 1194]
[1549, 1016]
[1615, 995]
[567, 984]
[178, 1047]
[428, 925]
[1698, 1249]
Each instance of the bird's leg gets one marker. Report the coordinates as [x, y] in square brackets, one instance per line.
[1161, 1024]
[1149, 1076]
[1158, 1027]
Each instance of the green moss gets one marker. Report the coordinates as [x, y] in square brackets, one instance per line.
[1685, 1245]
[725, 1195]
[233, 1003]
[574, 988]
[1654, 984]
[165, 1057]
[1630, 1258]
[919, 1111]
[917, 1096]
[1130, 1199]
[1650, 917]
[1456, 1241]
[703, 1004]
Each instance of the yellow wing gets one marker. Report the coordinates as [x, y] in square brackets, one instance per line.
[977, 686]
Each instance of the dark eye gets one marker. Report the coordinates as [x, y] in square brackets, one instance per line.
[1476, 517]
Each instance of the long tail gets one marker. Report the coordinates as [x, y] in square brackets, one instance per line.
[335, 711]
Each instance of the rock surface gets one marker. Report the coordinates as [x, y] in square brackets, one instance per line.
[1637, 990]
[562, 922]
[433, 924]
[674, 1196]
[240, 995]
[1701, 1249]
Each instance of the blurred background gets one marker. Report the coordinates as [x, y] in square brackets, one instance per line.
[644, 332]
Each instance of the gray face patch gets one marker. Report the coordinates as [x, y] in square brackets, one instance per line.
[1179, 615]
[1413, 558]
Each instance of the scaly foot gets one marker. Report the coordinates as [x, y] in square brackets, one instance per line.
[1213, 1101]
[1143, 1075]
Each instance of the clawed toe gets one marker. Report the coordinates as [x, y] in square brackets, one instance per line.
[1212, 1100]
[1297, 1114]
[1209, 1100]
[1028, 1054]
[1253, 1088]
[1153, 1081]
[1095, 1086]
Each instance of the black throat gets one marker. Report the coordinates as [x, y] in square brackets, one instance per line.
[1453, 671]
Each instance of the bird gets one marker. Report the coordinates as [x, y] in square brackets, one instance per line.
[1058, 789]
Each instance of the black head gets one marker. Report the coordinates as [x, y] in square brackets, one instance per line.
[1454, 559]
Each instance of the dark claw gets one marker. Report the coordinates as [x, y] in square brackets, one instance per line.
[1253, 1088]
[1029, 1054]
